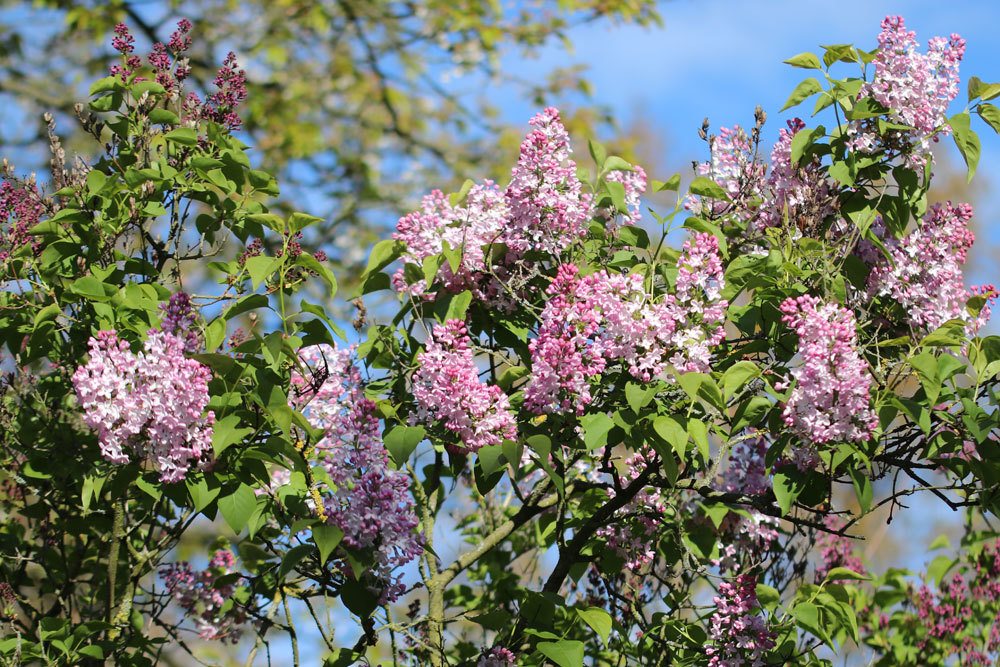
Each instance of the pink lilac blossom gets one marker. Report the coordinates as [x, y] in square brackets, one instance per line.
[740, 637]
[634, 184]
[952, 615]
[151, 404]
[497, 657]
[632, 535]
[796, 192]
[697, 304]
[601, 318]
[916, 87]
[369, 501]
[20, 208]
[924, 270]
[548, 208]
[204, 601]
[736, 169]
[447, 389]
[836, 550]
[466, 229]
[179, 319]
[830, 400]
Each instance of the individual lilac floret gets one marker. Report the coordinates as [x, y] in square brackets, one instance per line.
[916, 88]
[207, 604]
[369, 501]
[740, 637]
[924, 270]
[548, 208]
[150, 404]
[447, 389]
[497, 657]
[830, 401]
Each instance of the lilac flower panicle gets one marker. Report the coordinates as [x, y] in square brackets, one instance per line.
[447, 389]
[836, 550]
[20, 209]
[735, 168]
[917, 88]
[203, 600]
[830, 401]
[369, 500]
[739, 636]
[180, 319]
[150, 405]
[548, 208]
[923, 272]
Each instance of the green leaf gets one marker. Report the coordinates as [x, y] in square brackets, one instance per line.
[564, 653]
[91, 288]
[841, 573]
[595, 429]
[767, 596]
[862, 489]
[227, 432]
[260, 268]
[785, 491]
[598, 619]
[107, 84]
[638, 396]
[237, 507]
[321, 270]
[163, 117]
[292, 558]
[184, 136]
[805, 61]
[400, 442]
[673, 184]
[738, 375]
[984, 91]
[807, 617]
[803, 139]
[673, 433]
[358, 598]
[991, 115]
[459, 306]
[706, 187]
[806, 89]
[967, 141]
[383, 254]
[598, 152]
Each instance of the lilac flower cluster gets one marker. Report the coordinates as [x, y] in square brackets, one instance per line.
[548, 208]
[150, 404]
[368, 500]
[208, 604]
[603, 317]
[836, 550]
[739, 636]
[447, 389]
[734, 166]
[924, 270]
[171, 68]
[467, 229]
[634, 184]
[953, 616]
[21, 208]
[799, 194]
[542, 210]
[830, 400]
[497, 657]
[916, 87]
[180, 319]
